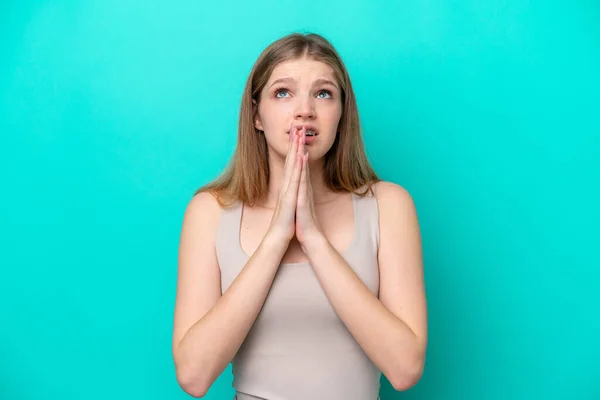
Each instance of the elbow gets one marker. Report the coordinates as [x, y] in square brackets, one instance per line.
[408, 376]
[193, 384]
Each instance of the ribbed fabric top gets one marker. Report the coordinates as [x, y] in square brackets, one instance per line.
[298, 348]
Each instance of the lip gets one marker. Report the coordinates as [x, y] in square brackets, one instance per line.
[309, 139]
[308, 128]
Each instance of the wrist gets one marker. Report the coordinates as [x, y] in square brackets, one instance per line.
[275, 243]
[314, 242]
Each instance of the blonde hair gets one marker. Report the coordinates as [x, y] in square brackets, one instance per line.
[346, 166]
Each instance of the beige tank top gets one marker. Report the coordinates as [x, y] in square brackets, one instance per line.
[298, 348]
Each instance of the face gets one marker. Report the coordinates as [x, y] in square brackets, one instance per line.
[300, 93]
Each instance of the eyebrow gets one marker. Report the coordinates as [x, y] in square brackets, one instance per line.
[320, 81]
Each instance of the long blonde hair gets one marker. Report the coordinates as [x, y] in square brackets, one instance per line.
[346, 168]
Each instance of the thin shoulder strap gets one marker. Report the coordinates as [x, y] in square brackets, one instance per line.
[367, 216]
[227, 235]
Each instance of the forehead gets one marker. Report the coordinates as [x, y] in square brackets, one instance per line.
[302, 70]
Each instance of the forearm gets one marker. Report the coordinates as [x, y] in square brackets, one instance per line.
[385, 338]
[211, 343]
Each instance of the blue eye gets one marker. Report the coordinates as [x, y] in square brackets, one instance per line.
[327, 92]
[278, 91]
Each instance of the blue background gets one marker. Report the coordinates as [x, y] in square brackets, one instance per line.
[112, 113]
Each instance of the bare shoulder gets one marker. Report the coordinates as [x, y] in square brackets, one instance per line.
[198, 277]
[203, 206]
[391, 196]
[201, 216]
[398, 219]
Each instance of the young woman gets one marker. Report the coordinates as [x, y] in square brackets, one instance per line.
[298, 264]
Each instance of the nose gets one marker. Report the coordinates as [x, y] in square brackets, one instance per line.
[305, 108]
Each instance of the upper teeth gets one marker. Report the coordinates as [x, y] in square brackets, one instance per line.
[310, 132]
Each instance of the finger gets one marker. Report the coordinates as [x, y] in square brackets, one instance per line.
[295, 181]
[303, 186]
[301, 145]
[291, 160]
[308, 183]
[302, 142]
[291, 143]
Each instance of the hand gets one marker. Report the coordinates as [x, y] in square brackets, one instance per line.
[307, 226]
[282, 223]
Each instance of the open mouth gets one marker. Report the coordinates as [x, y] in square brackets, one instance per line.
[310, 130]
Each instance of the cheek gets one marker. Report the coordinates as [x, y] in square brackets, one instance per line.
[332, 112]
[275, 115]
[333, 119]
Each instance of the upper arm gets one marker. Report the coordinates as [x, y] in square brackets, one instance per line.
[198, 277]
[402, 286]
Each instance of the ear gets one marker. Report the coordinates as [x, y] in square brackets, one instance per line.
[257, 122]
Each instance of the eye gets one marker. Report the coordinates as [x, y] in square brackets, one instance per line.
[280, 90]
[327, 92]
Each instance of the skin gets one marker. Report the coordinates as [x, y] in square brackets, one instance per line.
[296, 101]
[294, 223]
